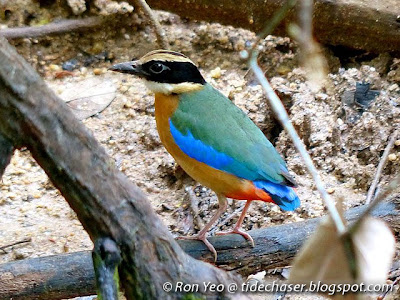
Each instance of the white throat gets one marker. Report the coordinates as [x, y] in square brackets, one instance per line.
[169, 88]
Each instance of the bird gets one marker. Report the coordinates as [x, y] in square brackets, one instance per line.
[212, 139]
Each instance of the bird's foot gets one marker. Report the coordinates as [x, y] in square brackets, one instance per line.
[238, 231]
[203, 238]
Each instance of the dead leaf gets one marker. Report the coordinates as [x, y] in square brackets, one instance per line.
[375, 250]
[323, 257]
[88, 96]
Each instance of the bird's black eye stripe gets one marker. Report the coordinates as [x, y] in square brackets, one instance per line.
[172, 72]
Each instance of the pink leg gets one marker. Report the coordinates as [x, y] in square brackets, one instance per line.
[202, 235]
[236, 229]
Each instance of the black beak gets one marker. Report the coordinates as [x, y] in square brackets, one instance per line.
[129, 67]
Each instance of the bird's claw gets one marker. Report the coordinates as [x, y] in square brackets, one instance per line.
[202, 238]
[238, 231]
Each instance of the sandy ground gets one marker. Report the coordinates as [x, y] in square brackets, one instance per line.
[344, 140]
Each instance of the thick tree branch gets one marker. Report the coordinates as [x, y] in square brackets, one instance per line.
[106, 202]
[52, 277]
[275, 247]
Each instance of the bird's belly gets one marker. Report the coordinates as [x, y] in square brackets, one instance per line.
[219, 181]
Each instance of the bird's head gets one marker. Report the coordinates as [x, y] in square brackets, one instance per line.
[165, 72]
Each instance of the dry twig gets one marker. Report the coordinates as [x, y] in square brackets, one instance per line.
[392, 186]
[160, 33]
[381, 297]
[194, 206]
[382, 195]
[51, 28]
[381, 165]
[283, 117]
[25, 240]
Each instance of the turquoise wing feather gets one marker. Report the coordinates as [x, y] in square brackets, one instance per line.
[207, 126]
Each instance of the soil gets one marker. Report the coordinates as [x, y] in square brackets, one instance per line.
[344, 138]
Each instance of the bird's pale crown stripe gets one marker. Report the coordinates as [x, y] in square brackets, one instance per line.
[165, 55]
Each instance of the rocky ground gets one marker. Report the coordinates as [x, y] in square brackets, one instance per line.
[345, 139]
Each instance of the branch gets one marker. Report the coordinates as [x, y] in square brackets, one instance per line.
[105, 201]
[392, 186]
[62, 276]
[160, 33]
[283, 117]
[368, 25]
[71, 275]
[56, 27]
[381, 165]
[23, 241]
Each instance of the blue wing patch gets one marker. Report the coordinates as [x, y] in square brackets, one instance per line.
[198, 150]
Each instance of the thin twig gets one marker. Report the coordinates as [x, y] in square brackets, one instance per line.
[396, 281]
[51, 28]
[160, 33]
[194, 206]
[283, 117]
[25, 240]
[381, 165]
[392, 186]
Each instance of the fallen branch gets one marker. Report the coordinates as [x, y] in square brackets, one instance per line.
[65, 275]
[105, 201]
[56, 27]
[52, 277]
[368, 25]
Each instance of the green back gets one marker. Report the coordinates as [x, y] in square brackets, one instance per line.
[215, 121]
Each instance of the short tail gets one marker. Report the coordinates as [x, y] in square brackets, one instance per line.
[284, 196]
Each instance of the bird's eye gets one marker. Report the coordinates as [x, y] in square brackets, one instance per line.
[157, 68]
